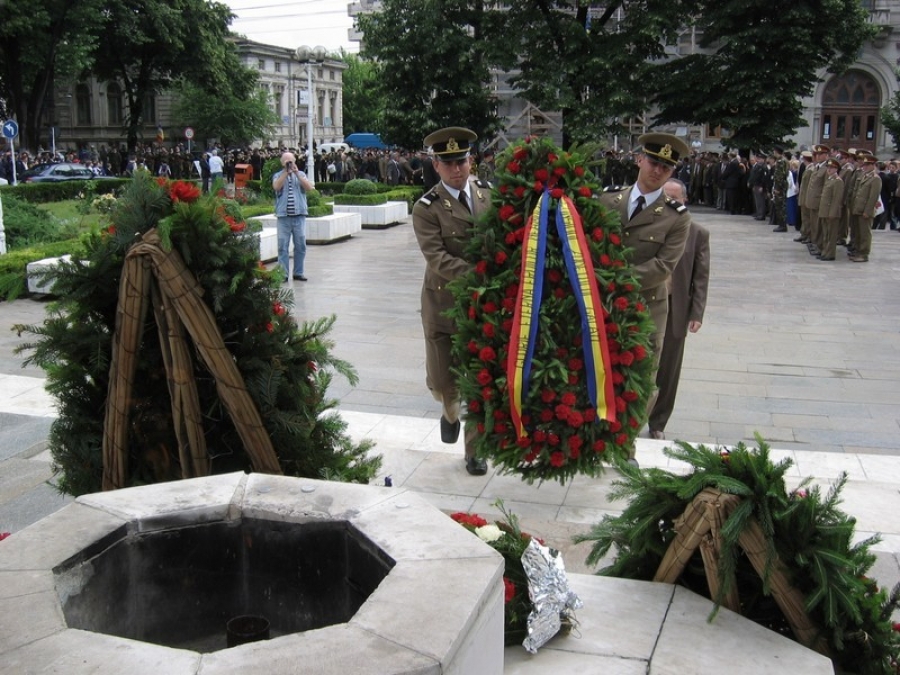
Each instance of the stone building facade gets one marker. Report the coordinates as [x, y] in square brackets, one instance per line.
[92, 113]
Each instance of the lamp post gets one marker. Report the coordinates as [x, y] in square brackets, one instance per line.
[310, 56]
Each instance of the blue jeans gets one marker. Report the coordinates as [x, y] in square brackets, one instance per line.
[292, 227]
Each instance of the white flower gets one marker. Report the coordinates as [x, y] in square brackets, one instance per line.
[489, 533]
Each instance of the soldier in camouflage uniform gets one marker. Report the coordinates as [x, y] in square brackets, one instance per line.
[779, 191]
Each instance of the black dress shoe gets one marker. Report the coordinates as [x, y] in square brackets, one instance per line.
[826, 259]
[802, 240]
[299, 277]
[449, 432]
[476, 466]
[781, 228]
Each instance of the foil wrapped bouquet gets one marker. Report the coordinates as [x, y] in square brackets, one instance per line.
[537, 597]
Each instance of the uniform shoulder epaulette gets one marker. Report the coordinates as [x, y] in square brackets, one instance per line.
[677, 205]
[615, 188]
[483, 184]
[429, 197]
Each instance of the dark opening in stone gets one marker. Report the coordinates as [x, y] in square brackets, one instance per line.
[180, 587]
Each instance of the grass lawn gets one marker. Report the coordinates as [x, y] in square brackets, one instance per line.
[67, 213]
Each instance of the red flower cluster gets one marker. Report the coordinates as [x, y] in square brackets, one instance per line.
[470, 519]
[4, 535]
[182, 191]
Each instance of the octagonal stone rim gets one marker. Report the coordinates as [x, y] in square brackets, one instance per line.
[381, 514]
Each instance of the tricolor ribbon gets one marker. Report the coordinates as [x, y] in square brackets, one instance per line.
[523, 336]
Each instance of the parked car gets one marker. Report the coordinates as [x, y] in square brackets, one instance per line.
[51, 173]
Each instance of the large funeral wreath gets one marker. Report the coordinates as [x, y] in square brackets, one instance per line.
[552, 286]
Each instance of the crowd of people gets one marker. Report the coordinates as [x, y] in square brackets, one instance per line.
[393, 167]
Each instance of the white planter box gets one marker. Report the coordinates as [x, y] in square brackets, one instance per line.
[378, 216]
[35, 269]
[321, 230]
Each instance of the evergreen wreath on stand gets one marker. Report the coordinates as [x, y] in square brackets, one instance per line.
[286, 365]
[807, 539]
[562, 433]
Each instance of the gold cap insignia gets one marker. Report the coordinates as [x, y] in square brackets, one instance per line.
[666, 151]
[452, 145]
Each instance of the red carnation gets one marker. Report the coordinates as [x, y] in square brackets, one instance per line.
[626, 358]
[557, 459]
[572, 379]
[538, 186]
[488, 330]
[484, 377]
[520, 153]
[617, 377]
[615, 426]
[514, 167]
[557, 193]
[547, 396]
[605, 260]
[579, 171]
[597, 234]
[585, 191]
[474, 406]
[506, 326]
[621, 303]
[506, 211]
[589, 415]
[639, 306]
[575, 419]
[509, 590]
[519, 191]
[554, 276]
[510, 238]
[630, 396]
[278, 309]
[639, 352]
[503, 189]
[481, 266]
[270, 328]
[541, 175]
[559, 293]
[599, 446]
[559, 171]
[612, 329]
[471, 312]
[574, 443]
[552, 157]
[512, 290]
[621, 439]
[487, 354]
[487, 393]
[490, 307]
[540, 436]
[181, 191]
[614, 239]
[552, 439]
[523, 442]
[500, 257]
[546, 415]
[568, 398]
[562, 411]
[576, 364]
[508, 304]
[500, 428]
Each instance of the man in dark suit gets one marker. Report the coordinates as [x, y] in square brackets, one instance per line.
[442, 221]
[687, 303]
[654, 226]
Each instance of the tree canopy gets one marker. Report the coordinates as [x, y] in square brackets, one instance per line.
[41, 41]
[363, 104]
[231, 119]
[600, 65]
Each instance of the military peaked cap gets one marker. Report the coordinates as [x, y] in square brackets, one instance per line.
[664, 148]
[451, 143]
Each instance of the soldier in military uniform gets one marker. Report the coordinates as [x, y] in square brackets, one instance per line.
[817, 175]
[654, 226]
[779, 191]
[862, 209]
[442, 220]
[830, 207]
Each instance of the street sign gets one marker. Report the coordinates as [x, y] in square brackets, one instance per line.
[189, 133]
[10, 129]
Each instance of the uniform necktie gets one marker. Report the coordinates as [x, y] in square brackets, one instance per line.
[638, 207]
[464, 201]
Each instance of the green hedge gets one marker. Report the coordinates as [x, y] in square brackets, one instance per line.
[360, 200]
[13, 265]
[360, 186]
[408, 193]
[40, 193]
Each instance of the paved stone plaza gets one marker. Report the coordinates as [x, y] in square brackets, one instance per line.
[803, 352]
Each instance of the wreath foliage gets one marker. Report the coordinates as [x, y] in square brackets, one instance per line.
[564, 435]
[814, 540]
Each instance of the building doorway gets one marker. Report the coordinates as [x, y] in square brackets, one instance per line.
[850, 108]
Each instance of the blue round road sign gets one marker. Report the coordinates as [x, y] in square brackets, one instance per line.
[10, 129]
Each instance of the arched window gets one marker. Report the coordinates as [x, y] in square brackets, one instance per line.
[850, 109]
[82, 105]
[114, 104]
